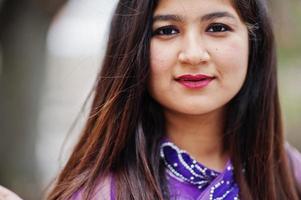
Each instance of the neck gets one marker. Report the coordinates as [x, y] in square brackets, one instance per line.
[200, 135]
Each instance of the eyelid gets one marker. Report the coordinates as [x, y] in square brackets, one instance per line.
[215, 24]
[157, 30]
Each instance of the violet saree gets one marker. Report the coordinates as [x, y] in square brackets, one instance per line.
[188, 179]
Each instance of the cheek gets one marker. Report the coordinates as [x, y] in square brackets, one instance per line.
[162, 57]
[232, 59]
[160, 63]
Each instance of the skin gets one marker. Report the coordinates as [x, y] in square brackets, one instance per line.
[6, 194]
[197, 37]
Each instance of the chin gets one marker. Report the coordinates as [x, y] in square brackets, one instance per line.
[193, 111]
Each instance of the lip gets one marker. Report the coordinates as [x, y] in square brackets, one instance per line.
[196, 81]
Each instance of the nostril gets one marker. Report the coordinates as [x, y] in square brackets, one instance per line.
[193, 58]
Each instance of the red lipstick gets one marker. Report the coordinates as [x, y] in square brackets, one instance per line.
[197, 81]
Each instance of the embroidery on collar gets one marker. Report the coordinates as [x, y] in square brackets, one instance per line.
[185, 168]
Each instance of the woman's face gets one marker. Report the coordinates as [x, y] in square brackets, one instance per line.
[199, 55]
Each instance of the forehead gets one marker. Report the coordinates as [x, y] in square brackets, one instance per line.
[194, 8]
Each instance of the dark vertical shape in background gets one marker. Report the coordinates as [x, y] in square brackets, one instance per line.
[23, 29]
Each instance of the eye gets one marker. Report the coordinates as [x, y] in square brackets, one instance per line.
[166, 31]
[217, 27]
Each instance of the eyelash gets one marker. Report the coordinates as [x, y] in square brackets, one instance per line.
[160, 31]
[218, 25]
[172, 30]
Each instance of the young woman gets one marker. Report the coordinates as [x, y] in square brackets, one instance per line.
[186, 106]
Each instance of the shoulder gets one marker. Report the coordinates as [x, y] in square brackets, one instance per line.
[103, 190]
[294, 157]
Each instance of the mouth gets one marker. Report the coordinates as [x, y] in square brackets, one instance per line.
[197, 81]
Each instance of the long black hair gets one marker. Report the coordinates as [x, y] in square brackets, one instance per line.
[125, 126]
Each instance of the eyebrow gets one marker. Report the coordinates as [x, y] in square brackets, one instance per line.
[206, 17]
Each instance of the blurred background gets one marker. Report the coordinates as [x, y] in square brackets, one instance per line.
[50, 52]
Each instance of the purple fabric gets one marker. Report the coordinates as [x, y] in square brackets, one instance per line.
[112, 193]
[189, 179]
[294, 157]
[186, 190]
[104, 190]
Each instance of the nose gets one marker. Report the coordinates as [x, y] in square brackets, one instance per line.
[193, 51]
